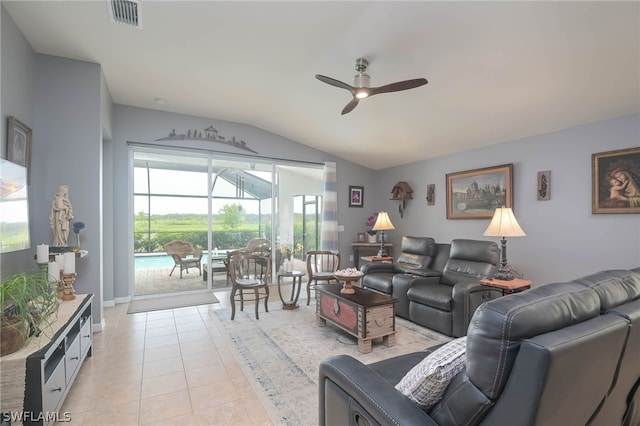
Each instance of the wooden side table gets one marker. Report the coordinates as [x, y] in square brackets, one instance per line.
[367, 249]
[295, 293]
[515, 285]
[384, 259]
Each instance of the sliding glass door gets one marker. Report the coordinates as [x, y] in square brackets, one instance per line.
[170, 203]
[217, 205]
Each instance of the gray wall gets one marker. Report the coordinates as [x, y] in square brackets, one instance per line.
[564, 239]
[69, 152]
[67, 105]
[18, 100]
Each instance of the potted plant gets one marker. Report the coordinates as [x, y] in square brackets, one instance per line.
[371, 220]
[27, 300]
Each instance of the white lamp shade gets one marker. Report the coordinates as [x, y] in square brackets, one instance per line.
[504, 224]
[383, 223]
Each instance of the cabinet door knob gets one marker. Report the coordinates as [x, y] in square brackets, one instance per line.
[73, 358]
[56, 390]
[87, 336]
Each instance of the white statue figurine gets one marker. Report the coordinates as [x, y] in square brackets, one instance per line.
[61, 216]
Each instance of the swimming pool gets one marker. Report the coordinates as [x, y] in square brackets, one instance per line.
[161, 260]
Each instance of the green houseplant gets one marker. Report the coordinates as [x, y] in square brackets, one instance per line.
[27, 300]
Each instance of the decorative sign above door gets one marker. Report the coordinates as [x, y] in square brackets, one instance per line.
[209, 134]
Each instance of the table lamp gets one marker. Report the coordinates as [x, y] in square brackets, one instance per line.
[383, 223]
[504, 224]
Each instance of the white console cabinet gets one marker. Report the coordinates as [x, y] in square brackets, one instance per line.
[51, 364]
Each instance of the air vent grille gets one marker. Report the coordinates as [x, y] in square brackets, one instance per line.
[125, 12]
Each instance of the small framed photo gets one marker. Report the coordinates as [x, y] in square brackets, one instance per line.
[544, 185]
[475, 194]
[362, 238]
[356, 196]
[431, 194]
[616, 181]
[19, 144]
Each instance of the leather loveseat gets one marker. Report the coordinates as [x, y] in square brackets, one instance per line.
[563, 354]
[437, 285]
[419, 256]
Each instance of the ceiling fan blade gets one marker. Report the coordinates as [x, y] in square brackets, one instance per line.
[336, 83]
[350, 106]
[400, 85]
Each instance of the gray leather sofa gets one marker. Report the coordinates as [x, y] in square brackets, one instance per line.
[437, 285]
[419, 256]
[562, 354]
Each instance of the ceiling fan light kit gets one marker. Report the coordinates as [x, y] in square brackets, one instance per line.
[362, 85]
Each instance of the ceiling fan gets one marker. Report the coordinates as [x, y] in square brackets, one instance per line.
[361, 88]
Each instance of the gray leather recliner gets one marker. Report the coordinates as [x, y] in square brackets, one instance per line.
[419, 256]
[446, 303]
[563, 354]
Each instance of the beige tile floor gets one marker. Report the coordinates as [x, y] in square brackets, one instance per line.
[165, 367]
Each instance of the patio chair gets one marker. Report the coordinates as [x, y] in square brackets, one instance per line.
[184, 256]
[258, 246]
[321, 265]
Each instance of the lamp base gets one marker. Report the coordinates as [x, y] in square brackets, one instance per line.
[506, 273]
[382, 252]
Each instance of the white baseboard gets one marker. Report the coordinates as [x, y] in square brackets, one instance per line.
[120, 300]
[98, 327]
[116, 301]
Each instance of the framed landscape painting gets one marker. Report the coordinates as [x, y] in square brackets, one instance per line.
[616, 181]
[475, 194]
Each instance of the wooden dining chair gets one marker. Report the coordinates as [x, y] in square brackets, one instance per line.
[321, 265]
[249, 273]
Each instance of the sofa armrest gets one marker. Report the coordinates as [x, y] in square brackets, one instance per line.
[375, 267]
[425, 273]
[351, 393]
[467, 297]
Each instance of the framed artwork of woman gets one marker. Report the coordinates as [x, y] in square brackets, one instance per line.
[616, 181]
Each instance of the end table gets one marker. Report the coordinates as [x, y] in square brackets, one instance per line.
[295, 293]
[515, 285]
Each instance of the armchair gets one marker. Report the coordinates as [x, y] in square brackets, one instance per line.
[184, 255]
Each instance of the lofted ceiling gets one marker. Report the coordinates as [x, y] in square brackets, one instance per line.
[497, 71]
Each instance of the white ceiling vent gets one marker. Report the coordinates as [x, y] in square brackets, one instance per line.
[125, 12]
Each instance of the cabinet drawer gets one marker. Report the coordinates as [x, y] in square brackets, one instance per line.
[72, 358]
[54, 388]
[86, 338]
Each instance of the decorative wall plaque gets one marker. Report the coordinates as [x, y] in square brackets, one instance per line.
[210, 135]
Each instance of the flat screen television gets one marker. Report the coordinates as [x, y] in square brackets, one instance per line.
[14, 208]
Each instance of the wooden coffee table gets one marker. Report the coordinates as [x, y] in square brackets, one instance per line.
[365, 315]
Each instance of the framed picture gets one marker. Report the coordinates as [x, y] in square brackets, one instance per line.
[431, 194]
[19, 144]
[616, 181]
[544, 185]
[475, 194]
[362, 238]
[356, 196]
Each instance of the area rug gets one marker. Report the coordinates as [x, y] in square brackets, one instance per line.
[170, 302]
[280, 354]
